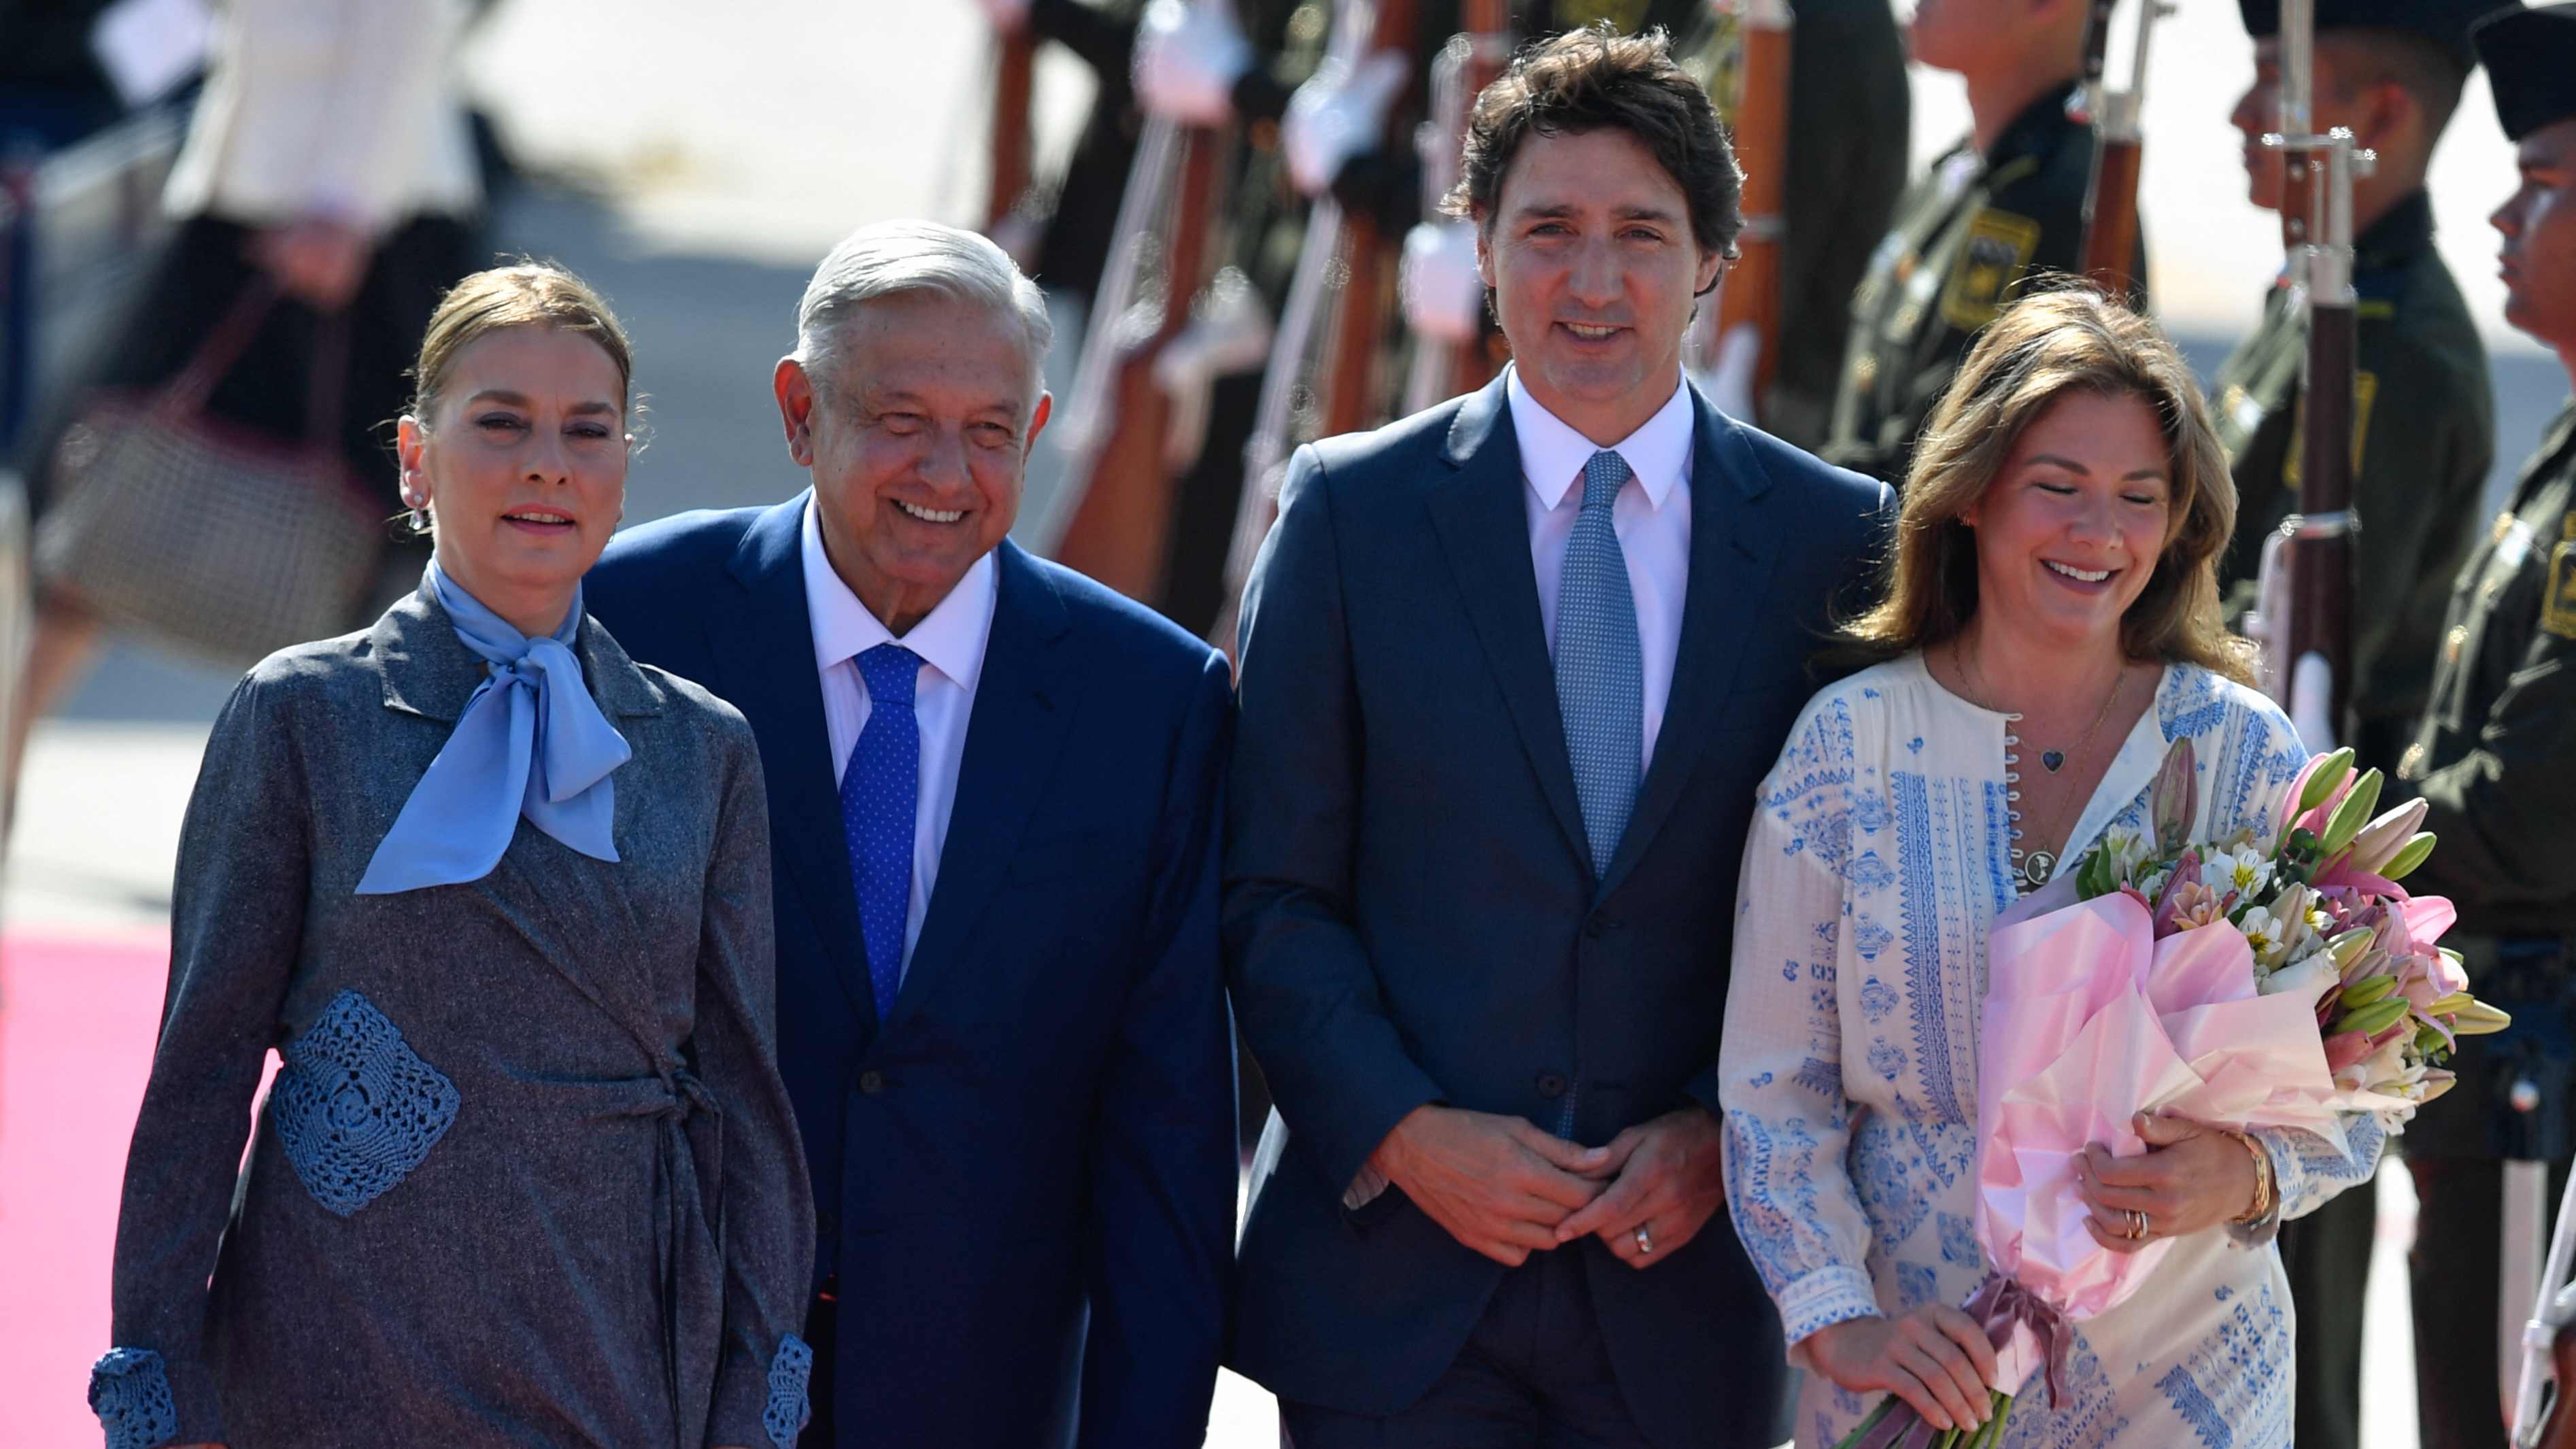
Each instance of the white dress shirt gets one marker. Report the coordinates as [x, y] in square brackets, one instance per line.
[1652, 517]
[950, 641]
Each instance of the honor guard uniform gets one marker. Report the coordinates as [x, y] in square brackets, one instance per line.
[1850, 120]
[1967, 239]
[2495, 760]
[2423, 436]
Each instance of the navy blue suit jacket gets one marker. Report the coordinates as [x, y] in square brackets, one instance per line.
[1411, 913]
[1025, 1175]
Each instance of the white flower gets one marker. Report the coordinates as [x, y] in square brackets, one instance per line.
[2154, 885]
[2265, 935]
[2311, 977]
[2244, 872]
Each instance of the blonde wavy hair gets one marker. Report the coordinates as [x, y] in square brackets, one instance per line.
[2041, 348]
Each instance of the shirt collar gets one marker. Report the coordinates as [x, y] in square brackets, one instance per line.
[1553, 454]
[950, 638]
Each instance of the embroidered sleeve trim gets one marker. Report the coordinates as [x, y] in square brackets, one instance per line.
[129, 1390]
[1824, 1298]
[788, 1409]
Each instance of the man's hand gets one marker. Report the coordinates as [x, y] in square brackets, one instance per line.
[1667, 1178]
[2191, 1177]
[1498, 1184]
[1935, 1358]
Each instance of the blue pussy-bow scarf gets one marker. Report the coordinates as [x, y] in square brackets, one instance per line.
[531, 742]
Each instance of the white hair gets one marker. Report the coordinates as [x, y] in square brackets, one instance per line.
[897, 258]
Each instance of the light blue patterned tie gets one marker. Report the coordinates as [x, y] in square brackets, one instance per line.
[1600, 670]
[880, 799]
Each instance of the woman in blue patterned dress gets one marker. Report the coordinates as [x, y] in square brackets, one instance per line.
[2051, 625]
[499, 898]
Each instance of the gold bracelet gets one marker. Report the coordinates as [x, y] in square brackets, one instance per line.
[2265, 1186]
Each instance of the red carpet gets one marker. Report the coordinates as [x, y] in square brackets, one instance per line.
[77, 1017]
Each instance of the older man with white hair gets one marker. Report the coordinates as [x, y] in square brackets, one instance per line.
[994, 794]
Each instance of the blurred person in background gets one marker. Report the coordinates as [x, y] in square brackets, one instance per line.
[499, 897]
[53, 91]
[1969, 235]
[329, 157]
[2391, 71]
[994, 788]
[2495, 763]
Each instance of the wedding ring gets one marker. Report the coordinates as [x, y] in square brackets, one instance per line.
[2137, 1226]
[1645, 1240]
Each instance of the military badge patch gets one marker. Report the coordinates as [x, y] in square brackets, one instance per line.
[1990, 267]
[2558, 606]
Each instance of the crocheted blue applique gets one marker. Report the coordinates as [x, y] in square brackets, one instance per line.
[787, 1412]
[356, 1107]
[129, 1390]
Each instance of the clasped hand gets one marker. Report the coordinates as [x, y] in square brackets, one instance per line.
[1506, 1189]
[2190, 1177]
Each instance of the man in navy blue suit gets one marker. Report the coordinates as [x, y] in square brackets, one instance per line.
[1511, 670]
[994, 797]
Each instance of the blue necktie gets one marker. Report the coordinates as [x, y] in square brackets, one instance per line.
[880, 800]
[1600, 670]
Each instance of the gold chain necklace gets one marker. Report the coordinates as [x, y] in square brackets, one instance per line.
[2034, 868]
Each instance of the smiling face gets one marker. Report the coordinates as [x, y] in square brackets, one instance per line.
[2069, 532]
[522, 466]
[1590, 254]
[918, 441]
[2538, 257]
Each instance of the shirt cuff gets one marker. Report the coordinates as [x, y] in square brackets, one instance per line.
[1822, 1299]
[1364, 1189]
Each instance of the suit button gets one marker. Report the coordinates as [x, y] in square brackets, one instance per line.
[871, 1083]
[1599, 926]
[826, 1225]
[1551, 1085]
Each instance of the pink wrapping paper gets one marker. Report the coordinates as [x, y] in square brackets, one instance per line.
[2089, 1020]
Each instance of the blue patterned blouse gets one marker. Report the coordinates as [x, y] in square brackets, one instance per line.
[1880, 854]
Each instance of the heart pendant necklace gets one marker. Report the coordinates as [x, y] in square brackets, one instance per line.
[2033, 867]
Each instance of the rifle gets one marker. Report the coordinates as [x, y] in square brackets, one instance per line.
[2111, 194]
[1441, 368]
[1290, 384]
[1112, 513]
[1749, 294]
[2305, 619]
[1346, 392]
[1013, 144]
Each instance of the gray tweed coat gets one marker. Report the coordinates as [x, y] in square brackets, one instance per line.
[528, 1176]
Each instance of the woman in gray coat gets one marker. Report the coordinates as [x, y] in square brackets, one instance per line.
[499, 898]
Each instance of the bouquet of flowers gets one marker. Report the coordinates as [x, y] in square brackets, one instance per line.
[2251, 981]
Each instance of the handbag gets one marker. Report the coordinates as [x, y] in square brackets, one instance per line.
[216, 537]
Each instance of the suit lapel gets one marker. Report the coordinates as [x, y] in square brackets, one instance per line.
[1734, 541]
[1024, 703]
[1484, 531]
[764, 656]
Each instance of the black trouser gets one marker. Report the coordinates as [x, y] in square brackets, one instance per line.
[2327, 1257]
[203, 275]
[1534, 1375]
[2455, 1265]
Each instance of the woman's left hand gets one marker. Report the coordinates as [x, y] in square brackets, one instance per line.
[2191, 1177]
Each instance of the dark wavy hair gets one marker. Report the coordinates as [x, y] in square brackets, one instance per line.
[1591, 79]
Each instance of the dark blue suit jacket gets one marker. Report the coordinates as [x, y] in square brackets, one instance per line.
[1411, 914]
[1025, 1176]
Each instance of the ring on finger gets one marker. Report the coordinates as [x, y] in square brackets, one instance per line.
[2137, 1225]
[1645, 1239]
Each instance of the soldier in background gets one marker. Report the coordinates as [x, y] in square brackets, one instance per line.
[1850, 122]
[2390, 71]
[2003, 206]
[2495, 760]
